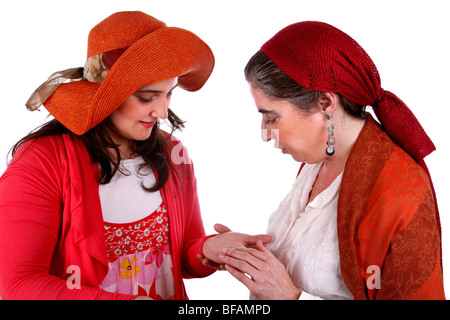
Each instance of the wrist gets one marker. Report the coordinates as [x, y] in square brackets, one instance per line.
[206, 247]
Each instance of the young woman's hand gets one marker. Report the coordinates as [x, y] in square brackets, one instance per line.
[263, 274]
[213, 246]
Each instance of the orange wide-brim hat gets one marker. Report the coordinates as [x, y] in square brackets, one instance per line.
[146, 51]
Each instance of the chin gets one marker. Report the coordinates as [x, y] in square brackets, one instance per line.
[297, 158]
[142, 136]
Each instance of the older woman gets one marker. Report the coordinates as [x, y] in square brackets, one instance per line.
[361, 220]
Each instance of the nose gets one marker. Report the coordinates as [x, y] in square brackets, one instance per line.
[266, 135]
[269, 134]
[160, 109]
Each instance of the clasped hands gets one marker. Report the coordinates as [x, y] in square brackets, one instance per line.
[246, 258]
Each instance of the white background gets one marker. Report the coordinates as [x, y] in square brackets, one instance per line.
[241, 180]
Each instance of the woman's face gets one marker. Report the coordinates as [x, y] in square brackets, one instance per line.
[300, 134]
[134, 119]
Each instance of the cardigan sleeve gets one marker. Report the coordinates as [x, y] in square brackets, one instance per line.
[189, 221]
[194, 235]
[30, 220]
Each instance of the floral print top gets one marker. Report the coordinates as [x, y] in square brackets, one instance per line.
[139, 254]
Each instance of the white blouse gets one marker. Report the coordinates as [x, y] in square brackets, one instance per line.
[136, 234]
[305, 238]
[123, 200]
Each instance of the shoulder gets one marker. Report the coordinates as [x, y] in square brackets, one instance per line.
[375, 156]
[403, 179]
[39, 148]
[170, 139]
[403, 185]
[35, 166]
[398, 172]
[47, 150]
[401, 167]
[401, 189]
[381, 178]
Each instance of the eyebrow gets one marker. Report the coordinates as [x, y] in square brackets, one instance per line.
[155, 91]
[265, 111]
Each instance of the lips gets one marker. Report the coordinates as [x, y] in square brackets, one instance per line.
[147, 124]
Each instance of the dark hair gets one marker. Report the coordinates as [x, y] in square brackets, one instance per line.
[154, 150]
[264, 74]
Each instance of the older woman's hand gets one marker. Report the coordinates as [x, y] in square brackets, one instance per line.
[262, 273]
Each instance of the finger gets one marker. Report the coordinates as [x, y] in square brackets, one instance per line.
[260, 246]
[245, 263]
[212, 264]
[257, 253]
[245, 255]
[240, 276]
[209, 263]
[253, 239]
[220, 228]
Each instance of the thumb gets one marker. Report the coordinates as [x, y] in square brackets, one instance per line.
[220, 228]
[260, 246]
[264, 238]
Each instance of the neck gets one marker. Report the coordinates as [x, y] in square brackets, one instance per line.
[347, 131]
[124, 145]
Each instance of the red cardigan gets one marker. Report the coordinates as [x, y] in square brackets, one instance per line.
[51, 218]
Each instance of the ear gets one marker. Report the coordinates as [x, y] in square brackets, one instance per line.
[328, 102]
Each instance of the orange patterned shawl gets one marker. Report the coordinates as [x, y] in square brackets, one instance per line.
[386, 220]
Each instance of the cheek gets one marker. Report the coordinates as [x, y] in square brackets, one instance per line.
[121, 120]
[128, 111]
[118, 119]
[293, 133]
[305, 138]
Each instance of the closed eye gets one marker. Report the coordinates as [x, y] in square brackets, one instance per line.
[269, 115]
[146, 100]
[270, 118]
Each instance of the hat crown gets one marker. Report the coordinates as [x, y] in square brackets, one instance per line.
[121, 30]
[135, 50]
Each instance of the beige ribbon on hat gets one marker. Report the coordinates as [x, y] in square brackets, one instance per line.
[94, 71]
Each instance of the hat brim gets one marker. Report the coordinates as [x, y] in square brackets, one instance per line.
[163, 54]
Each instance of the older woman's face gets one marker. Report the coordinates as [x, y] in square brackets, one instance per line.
[302, 135]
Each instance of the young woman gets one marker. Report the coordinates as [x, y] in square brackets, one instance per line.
[361, 220]
[99, 203]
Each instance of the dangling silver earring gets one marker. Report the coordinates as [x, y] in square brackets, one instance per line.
[331, 140]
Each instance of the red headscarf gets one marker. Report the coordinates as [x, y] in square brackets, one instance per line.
[323, 58]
